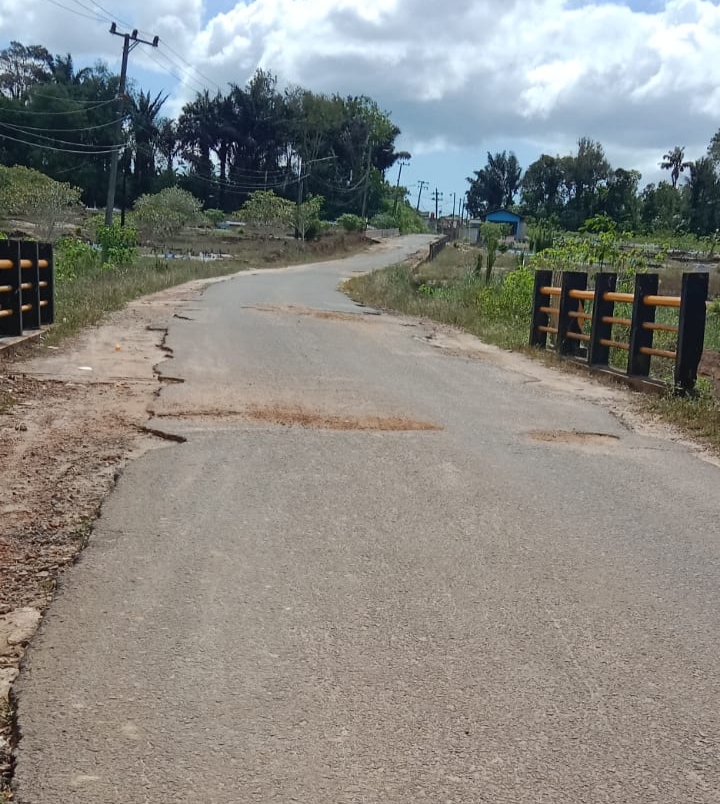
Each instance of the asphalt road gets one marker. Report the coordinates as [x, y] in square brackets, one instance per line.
[272, 612]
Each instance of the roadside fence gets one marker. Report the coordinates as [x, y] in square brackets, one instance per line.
[582, 323]
[437, 246]
[27, 293]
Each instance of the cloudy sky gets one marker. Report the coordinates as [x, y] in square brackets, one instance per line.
[459, 78]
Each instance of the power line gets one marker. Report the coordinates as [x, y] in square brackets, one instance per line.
[112, 16]
[185, 61]
[67, 111]
[57, 140]
[75, 11]
[112, 150]
[30, 129]
[175, 66]
[107, 18]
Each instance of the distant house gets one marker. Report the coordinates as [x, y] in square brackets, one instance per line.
[511, 218]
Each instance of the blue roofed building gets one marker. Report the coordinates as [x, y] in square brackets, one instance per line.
[512, 219]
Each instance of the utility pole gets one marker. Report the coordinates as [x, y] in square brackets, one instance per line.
[454, 197]
[437, 197]
[301, 178]
[367, 181]
[423, 185]
[130, 42]
[300, 182]
[403, 162]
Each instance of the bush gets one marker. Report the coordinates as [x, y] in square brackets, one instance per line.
[307, 217]
[164, 214]
[385, 220]
[119, 243]
[29, 194]
[268, 213]
[74, 257]
[508, 301]
[351, 223]
[214, 216]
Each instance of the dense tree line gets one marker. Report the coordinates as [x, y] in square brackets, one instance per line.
[222, 147]
[570, 189]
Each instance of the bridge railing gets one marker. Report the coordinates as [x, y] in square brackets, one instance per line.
[582, 323]
[27, 293]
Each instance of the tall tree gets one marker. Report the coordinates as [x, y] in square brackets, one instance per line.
[714, 148]
[584, 174]
[495, 185]
[704, 189]
[619, 199]
[168, 145]
[674, 161]
[144, 121]
[197, 134]
[23, 67]
[662, 208]
[542, 187]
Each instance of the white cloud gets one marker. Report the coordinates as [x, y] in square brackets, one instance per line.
[453, 75]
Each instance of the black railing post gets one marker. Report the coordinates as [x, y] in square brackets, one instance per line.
[10, 312]
[30, 276]
[540, 319]
[638, 363]
[599, 355]
[691, 329]
[47, 275]
[571, 280]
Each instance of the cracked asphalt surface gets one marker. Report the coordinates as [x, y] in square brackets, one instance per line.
[275, 612]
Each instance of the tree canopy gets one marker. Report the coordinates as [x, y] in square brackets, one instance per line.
[222, 147]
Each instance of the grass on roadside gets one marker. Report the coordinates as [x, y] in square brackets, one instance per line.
[697, 416]
[446, 290]
[82, 301]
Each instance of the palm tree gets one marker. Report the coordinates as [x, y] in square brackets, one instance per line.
[143, 115]
[168, 145]
[674, 161]
[196, 133]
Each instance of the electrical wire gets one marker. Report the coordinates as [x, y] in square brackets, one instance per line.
[62, 150]
[111, 16]
[186, 62]
[170, 71]
[107, 18]
[244, 188]
[67, 111]
[74, 11]
[31, 129]
[67, 142]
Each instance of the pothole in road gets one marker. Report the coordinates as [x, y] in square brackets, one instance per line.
[329, 315]
[304, 418]
[572, 437]
[292, 416]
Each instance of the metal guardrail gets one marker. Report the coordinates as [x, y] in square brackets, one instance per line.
[27, 288]
[566, 306]
[437, 246]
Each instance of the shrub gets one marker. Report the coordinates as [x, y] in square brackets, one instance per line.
[307, 217]
[384, 220]
[119, 243]
[164, 214]
[47, 203]
[268, 213]
[351, 223]
[214, 216]
[74, 257]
